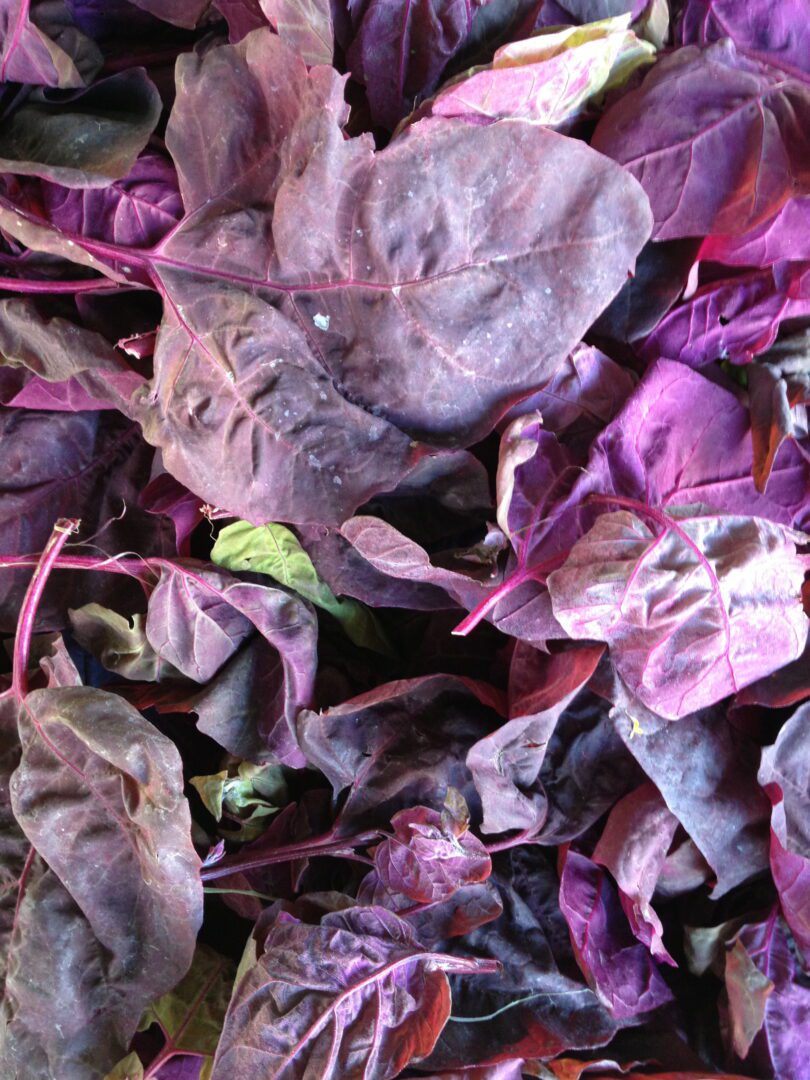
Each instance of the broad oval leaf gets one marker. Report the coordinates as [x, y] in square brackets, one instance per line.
[354, 998]
[692, 611]
[728, 157]
[292, 359]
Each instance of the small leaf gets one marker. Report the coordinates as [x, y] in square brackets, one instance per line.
[129, 1068]
[274, 550]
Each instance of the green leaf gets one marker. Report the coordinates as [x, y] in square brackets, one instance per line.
[274, 550]
[129, 1068]
[251, 793]
[191, 1016]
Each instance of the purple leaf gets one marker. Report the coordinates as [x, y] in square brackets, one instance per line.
[732, 319]
[87, 464]
[38, 48]
[425, 860]
[57, 351]
[784, 236]
[506, 764]
[398, 50]
[128, 821]
[354, 997]
[186, 13]
[198, 618]
[748, 990]
[728, 158]
[704, 770]
[618, 968]
[786, 766]
[225, 437]
[633, 847]
[163, 495]
[744, 616]
[136, 210]
[400, 745]
[778, 35]
[781, 1050]
[304, 25]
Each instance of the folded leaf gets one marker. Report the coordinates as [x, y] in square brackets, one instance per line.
[778, 34]
[633, 847]
[703, 768]
[547, 79]
[620, 970]
[85, 748]
[425, 860]
[686, 606]
[86, 139]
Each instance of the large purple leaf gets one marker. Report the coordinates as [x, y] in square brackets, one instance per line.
[705, 772]
[731, 154]
[51, 54]
[232, 410]
[123, 850]
[400, 745]
[778, 34]
[743, 617]
[352, 998]
[619, 969]
[85, 139]
[633, 847]
[398, 50]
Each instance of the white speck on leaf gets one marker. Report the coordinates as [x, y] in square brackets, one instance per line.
[321, 321]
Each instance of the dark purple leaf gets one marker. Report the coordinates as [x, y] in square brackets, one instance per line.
[728, 158]
[704, 771]
[400, 745]
[397, 51]
[186, 13]
[354, 997]
[136, 210]
[89, 465]
[620, 970]
[85, 139]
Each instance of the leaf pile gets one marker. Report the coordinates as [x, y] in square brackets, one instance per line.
[404, 532]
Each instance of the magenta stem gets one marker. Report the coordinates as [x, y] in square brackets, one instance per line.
[33, 594]
[32, 285]
[138, 568]
[539, 572]
[325, 844]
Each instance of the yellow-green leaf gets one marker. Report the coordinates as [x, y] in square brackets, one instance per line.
[274, 550]
[129, 1068]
